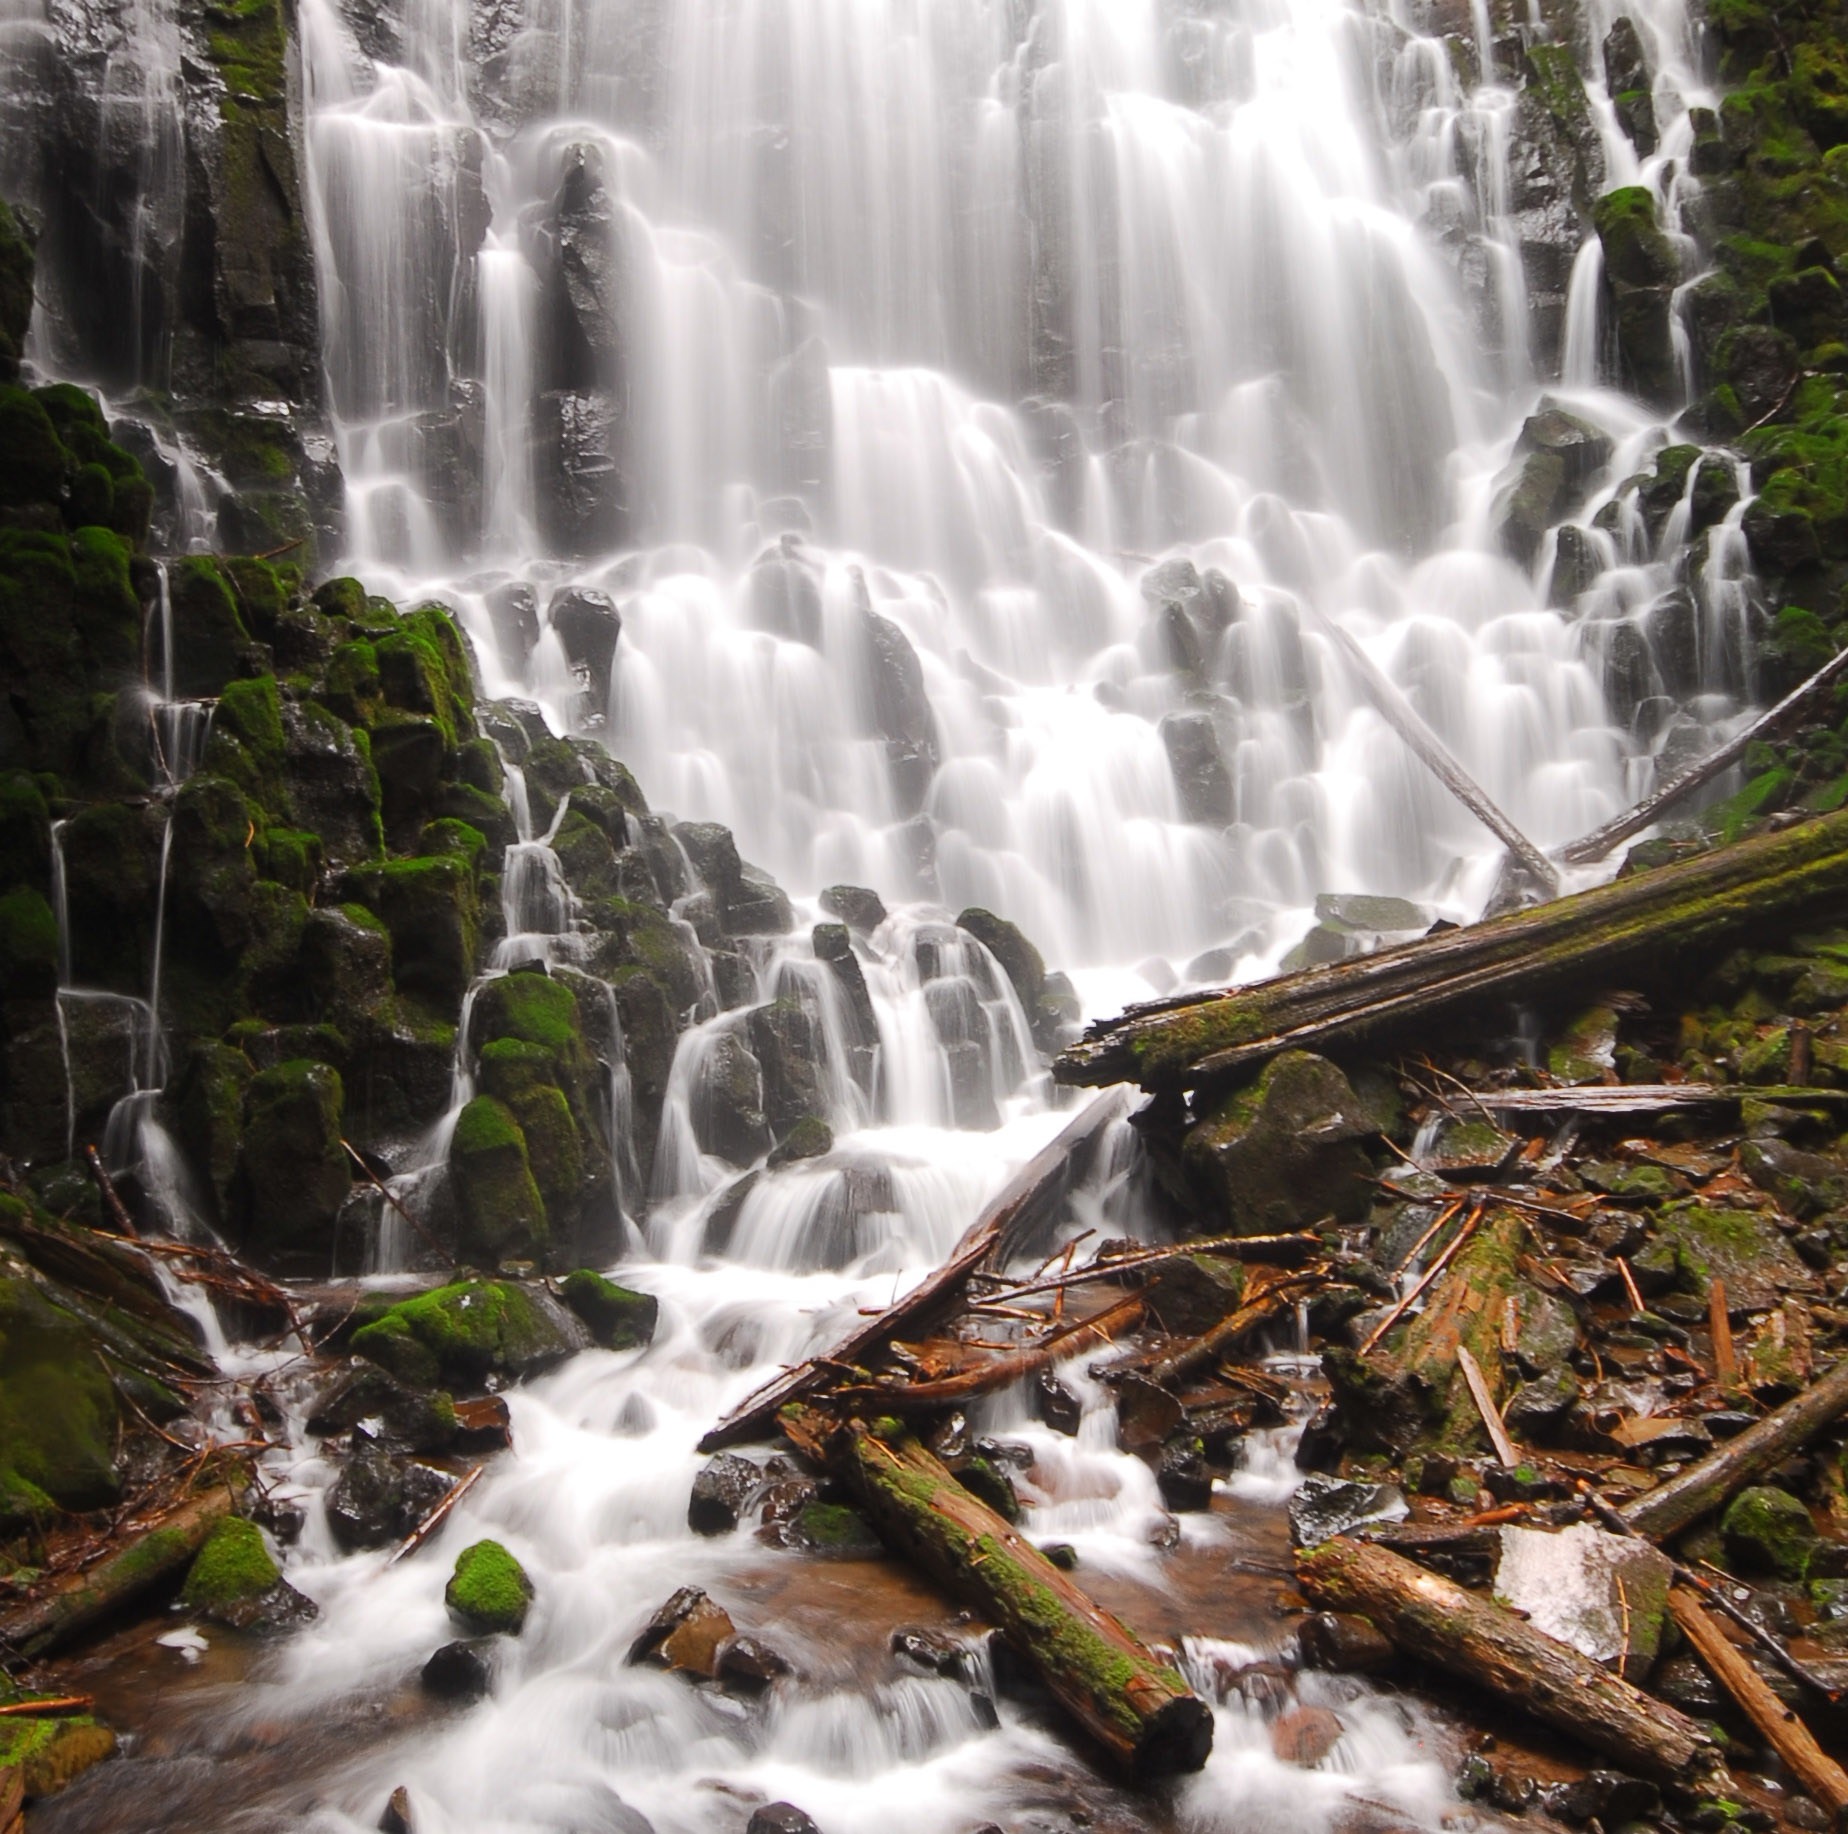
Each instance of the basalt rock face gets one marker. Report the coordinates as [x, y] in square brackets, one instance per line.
[159, 160]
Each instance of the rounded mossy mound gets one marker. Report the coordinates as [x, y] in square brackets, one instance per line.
[463, 1333]
[616, 1317]
[232, 1568]
[489, 1592]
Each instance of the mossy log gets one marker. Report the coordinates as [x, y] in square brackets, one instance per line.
[1133, 1706]
[1474, 1638]
[160, 1553]
[1648, 929]
[1709, 1481]
[1029, 1198]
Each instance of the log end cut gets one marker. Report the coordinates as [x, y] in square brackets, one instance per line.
[1176, 1740]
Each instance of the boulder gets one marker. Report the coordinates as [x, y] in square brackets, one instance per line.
[502, 1212]
[721, 1493]
[728, 1102]
[1202, 782]
[788, 1047]
[489, 1593]
[901, 709]
[513, 610]
[404, 1417]
[464, 1333]
[462, 1670]
[57, 1409]
[1605, 1595]
[1325, 1506]
[588, 625]
[1284, 1152]
[861, 910]
[234, 1581]
[1641, 271]
[616, 1318]
[293, 1172]
[1768, 1531]
[378, 1499]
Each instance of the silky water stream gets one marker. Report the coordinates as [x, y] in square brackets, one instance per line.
[972, 411]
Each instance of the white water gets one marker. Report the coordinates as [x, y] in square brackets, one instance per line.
[964, 315]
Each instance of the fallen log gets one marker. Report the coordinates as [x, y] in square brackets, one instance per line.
[1647, 1098]
[1440, 760]
[1472, 1637]
[1594, 846]
[998, 1371]
[1822, 1778]
[1266, 1250]
[1259, 1309]
[1034, 1191]
[159, 1553]
[1136, 1709]
[1640, 931]
[1709, 1481]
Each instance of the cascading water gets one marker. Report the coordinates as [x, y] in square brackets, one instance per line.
[974, 411]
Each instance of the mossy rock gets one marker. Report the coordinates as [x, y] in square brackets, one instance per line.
[432, 909]
[461, 1334]
[209, 638]
[28, 945]
[1767, 1530]
[33, 462]
[1286, 1151]
[1694, 1246]
[834, 1529]
[294, 1173]
[16, 268]
[616, 1317]
[57, 1408]
[232, 1568]
[502, 1211]
[489, 1593]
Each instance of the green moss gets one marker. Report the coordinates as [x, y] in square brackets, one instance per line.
[460, 1334]
[489, 1591]
[533, 1008]
[616, 1317]
[833, 1528]
[50, 1752]
[294, 1172]
[341, 598]
[16, 265]
[33, 462]
[28, 943]
[455, 838]
[232, 1567]
[57, 1408]
[1769, 1531]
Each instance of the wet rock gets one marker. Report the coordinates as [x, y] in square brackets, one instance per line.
[1577, 564]
[513, 610]
[986, 1480]
[686, 1634]
[1368, 914]
[1305, 1735]
[1641, 271]
[861, 910]
[1343, 1643]
[1325, 1506]
[833, 945]
[749, 1664]
[934, 1651]
[615, 1317]
[1606, 1595]
[1694, 1246]
[1767, 1530]
[830, 1529]
[1192, 1293]
[1147, 1413]
[728, 1102]
[409, 1419]
[1285, 1152]
[1470, 1148]
[397, 1817]
[233, 1581]
[588, 625]
[780, 1818]
[1607, 1796]
[466, 1332]
[1202, 783]
[378, 1499]
[1536, 1408]
[787, 1046]
[785, 590]
[461, 1670]
[722, 1492]
[901, 709]
[1183, 1476]
[1055, 1405]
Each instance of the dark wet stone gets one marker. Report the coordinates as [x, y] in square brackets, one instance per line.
[750, 1664]
[721, 1492]
[460, 1671]
[1055, 1404]
[1343, 1643]
[856, 907]
[1326, 1506]
[378, 1499]
[1183, 1477]
[780, 1818]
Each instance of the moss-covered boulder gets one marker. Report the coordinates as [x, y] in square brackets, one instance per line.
[616, 1317]
[234, 1581]
[501, 1211]
[1641, 271]
[460, 1335]
[1695, 1245]
[1768, 1531]
[488, 1593]
[293, 1172]
[16, 267]
[57, 1408]
[51, 1750]
[432, 909]
[1286, 1151]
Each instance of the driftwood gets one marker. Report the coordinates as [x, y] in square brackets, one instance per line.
[158, 1554]
[998, 1371]
[1708, 1482]
[1595, 845]
[1485, 1406]
[1440, 760]
[1782, 1730]
[1640, 931]
[1647, 1098]
[1042, 1183]
[1139, 1711]
[1476, 1639]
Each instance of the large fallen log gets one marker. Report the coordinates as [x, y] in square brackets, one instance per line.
[1709, 1481]
[1646, 930]
[1782, 1730]
[1474, 1638]
[1030, 1196]
[1139, 1711]
[1595, 845]
[158, 1553]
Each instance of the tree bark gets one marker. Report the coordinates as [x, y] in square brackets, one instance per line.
[1471, 1637]
[1648, 929]
[1137, 1710]
[1783, 1731]
[159, 1553]
[1708, 1482]
[1039, 1185]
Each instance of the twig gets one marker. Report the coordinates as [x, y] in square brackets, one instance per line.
[1430, 1274]
[1719, 1324]
[112, 1200]
[378, 1185]
[61, 1703]
[1485, 1406]
[436, 1518]
[1629, 1285]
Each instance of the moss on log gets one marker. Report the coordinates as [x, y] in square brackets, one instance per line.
[1646, 928]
